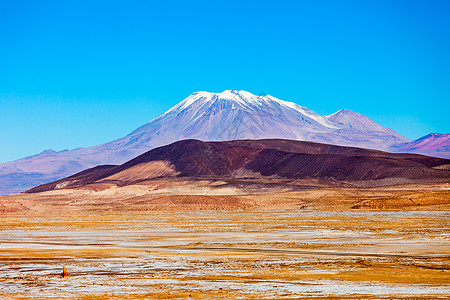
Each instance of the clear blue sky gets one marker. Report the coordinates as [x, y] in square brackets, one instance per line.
[79, 73]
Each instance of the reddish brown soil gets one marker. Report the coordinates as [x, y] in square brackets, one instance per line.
[265, 159]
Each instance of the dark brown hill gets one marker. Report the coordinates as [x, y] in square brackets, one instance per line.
[273, 158]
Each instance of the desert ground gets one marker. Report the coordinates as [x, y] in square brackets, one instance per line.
[213, 240]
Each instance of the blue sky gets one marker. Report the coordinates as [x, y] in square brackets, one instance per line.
[79, 73]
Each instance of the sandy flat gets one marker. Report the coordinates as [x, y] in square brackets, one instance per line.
[227, 254]
[216, 239]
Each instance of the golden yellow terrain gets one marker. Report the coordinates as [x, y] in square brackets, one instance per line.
[227, 255]
[163, 240]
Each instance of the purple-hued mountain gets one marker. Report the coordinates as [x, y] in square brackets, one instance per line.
[433, 144]
[263, 159]
[230, 115]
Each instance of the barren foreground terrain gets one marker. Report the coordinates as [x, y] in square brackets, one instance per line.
[229, 194]
[295, 244]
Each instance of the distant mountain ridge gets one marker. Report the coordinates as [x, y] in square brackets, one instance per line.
[230, 115]
[263, 159]
[433, 144]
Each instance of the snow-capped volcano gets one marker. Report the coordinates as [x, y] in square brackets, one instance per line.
[233, 115]
[229, 115]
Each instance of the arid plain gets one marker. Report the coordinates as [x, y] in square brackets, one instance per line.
[224, 150]
[215, 240]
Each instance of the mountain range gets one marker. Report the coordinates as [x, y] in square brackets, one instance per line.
[230, 115]
[433, 144]
[263, 161]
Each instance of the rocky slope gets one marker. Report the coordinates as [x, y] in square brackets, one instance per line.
[264, 159]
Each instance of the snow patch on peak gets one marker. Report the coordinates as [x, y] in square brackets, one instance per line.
[227, 94]
[343, 112]
[303, 110]
[197, 103]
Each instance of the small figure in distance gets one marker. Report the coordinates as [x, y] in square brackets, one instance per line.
[64, 272]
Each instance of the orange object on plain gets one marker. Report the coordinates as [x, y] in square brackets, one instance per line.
[64, 272]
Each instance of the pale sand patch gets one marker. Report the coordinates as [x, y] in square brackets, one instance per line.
[144, 171]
